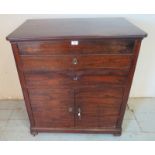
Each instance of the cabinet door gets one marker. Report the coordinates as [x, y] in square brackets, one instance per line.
[52, 108]
[97, 107]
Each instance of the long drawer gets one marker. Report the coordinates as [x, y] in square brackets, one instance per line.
[89, 46]
[76, 79]
[55, 63]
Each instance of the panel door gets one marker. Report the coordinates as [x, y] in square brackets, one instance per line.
[53, 108]
[98, 107]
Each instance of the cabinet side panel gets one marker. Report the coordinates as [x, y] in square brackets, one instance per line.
[129, 81]
[22, 82]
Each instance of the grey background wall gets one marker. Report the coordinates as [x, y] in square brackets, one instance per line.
[144, 79]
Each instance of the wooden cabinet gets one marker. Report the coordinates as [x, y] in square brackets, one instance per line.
[76, 74]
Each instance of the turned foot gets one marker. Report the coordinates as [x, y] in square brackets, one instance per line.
[117, 134]
[34, 133]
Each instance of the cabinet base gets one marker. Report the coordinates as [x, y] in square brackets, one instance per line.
[114, 131]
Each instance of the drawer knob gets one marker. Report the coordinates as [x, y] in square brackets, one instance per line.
[75, 78]
[75, 61]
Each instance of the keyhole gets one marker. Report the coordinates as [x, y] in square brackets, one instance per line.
[75, 62]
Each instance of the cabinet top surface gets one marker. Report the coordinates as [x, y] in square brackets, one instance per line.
[47, 29]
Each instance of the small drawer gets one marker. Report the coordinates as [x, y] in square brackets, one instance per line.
[57, 63]
[81, 78]
[69, 47]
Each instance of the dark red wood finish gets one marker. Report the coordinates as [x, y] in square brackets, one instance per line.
[90, 28]
[23, 83]
[52, 107]
[58, 63]
[76, 88]
[76, 79]
[63, 47]
[99, 106]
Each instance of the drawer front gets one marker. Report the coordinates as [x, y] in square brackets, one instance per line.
[80, 78]
[52, 108]
[55, 63]
[98, 107]
[100, 46]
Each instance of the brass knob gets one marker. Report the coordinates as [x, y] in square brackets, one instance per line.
[75, 61]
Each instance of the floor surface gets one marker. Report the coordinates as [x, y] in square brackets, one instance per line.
[138, 124]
